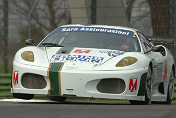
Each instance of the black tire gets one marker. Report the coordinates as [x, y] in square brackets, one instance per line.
[56, 98]
[23, 96]
[148, 89]
[170, 91]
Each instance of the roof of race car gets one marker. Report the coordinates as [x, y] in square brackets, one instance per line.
[100, 26]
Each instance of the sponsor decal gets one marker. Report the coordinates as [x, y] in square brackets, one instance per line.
[96, 29]
[89, 29]
[134, 35]
[15, 78]
[112, 53]
[159, 70]
[133, 84]
[81, 51]
[76, 58]
[165, 71]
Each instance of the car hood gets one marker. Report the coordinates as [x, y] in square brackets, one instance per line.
[82, 58]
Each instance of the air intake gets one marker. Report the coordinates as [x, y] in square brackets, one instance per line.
[111, 85]
[33, 81]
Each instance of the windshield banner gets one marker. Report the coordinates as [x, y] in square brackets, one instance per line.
[96, 29]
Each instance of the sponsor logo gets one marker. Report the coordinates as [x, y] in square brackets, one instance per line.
[132, 85]
[93, 29]
[159, 70]
[96, 29]
[69, 29]
[81, 51]
[134, 35]
[112, 53]
[15, 78]
[75, 58]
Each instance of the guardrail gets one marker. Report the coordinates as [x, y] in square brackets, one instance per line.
[5, 85]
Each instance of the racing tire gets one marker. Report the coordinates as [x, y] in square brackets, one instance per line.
[170, 91]
[23, 96]
[56, 98]
[148, 89]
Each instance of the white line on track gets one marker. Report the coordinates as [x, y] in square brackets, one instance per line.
[27, 101]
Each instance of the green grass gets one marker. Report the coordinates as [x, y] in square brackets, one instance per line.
[4, 88]
[4, 81]
[44, 97]
[6, 94]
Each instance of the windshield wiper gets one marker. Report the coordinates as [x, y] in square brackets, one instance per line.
[52, 45]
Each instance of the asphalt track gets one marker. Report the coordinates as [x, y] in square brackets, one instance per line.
[48, 109]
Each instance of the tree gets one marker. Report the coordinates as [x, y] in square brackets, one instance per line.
[129, 6]
[47, 15]
[160, 15]
[37, 34]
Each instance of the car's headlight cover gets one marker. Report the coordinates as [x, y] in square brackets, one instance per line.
[28, 56]
[126, 61]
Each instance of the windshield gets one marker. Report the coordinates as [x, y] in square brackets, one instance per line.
[102, 39]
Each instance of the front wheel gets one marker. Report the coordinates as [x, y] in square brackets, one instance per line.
[148, 89]
[170, 91]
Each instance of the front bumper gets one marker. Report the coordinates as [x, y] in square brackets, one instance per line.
[82, 83]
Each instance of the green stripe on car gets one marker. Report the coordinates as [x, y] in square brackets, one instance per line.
[54, 73]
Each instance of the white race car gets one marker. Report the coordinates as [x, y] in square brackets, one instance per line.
[95, 61]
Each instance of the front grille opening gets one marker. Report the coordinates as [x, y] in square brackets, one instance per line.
[111, 85]
[33, 81]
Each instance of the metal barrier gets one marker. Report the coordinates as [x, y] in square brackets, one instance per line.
[5, 85]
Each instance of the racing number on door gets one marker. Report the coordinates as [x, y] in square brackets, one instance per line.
[132, 85]
[15, 78]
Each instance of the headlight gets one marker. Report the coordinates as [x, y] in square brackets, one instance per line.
[126, 61]
[28, 56]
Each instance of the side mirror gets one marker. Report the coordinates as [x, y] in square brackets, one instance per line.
[158, 49]
[155, 49]
[161, 50]
[29, 42]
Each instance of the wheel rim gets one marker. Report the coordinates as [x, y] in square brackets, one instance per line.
[148, 83]
[171, 86]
